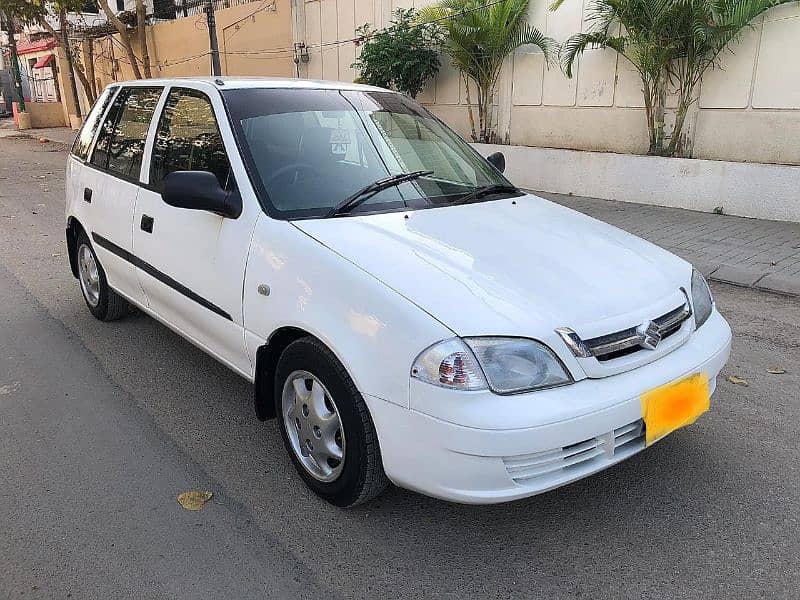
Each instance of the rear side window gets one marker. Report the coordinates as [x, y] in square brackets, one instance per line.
[120, 143]
[84, 140]
[188, 139]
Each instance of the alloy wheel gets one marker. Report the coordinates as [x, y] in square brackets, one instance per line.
[313, 426]
[89, 275]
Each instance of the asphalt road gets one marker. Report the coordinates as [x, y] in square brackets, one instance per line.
[102, 425]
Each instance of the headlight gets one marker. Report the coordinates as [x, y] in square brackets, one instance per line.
[505, 365]
[449, 364]
[702, 302]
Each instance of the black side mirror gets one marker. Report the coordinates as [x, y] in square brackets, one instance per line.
[498, 161]
[200, 190]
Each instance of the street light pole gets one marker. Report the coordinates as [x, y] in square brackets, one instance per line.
[216, 71]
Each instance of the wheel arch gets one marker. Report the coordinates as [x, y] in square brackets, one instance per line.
[267, 357]
[74, 229]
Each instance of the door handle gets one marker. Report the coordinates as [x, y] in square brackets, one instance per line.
[87, 195]
[147, 224]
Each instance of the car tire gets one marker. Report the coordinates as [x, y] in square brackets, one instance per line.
[359, 476]
[103, 302]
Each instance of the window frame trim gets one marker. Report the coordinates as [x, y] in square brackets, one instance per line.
[146, 175]
[145, 157]
[90, 150]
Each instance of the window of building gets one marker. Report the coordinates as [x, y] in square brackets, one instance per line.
[188, 139]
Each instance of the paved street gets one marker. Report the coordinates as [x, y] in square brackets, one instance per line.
[103, 424]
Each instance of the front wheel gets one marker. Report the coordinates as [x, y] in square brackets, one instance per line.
[326, 426]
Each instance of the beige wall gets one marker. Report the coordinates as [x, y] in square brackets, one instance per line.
[749, 109]
[46, 114]
[252, 41]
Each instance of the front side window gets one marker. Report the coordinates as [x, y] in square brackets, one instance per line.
[120, 143]
[188, 139]
[313, 149]
[84, 140]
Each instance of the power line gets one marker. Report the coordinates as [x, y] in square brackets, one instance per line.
[287, 50]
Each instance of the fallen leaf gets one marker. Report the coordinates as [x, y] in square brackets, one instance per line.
[737, 380]
[776, 370]
[194, 499]
[56, 254]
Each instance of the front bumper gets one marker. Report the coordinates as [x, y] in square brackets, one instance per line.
[568, 433]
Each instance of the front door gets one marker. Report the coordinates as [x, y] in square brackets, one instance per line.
[194, 261]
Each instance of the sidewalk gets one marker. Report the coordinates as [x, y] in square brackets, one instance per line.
[60, 135]
[746, 252]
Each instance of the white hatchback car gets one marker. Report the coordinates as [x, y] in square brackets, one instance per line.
[405, 312]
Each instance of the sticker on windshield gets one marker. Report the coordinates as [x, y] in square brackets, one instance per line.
[340, 140]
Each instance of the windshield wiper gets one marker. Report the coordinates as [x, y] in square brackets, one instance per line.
[368, 191]
[486, 190]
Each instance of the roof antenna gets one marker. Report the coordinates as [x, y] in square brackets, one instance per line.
[219, 81]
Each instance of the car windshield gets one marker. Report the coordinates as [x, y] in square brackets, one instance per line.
[309, 150]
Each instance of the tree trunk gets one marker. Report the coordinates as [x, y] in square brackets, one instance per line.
[658, 117]
[469, 108]
[15, 74]
[89, 54]
[64, 42]
[124, 38]
[680, 118]
[142, 33]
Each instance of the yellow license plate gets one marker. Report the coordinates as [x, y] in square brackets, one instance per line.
[675, 405]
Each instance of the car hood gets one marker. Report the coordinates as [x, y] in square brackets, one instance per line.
[518, 266]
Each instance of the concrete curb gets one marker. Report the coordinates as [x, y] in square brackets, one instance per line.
[763, 280]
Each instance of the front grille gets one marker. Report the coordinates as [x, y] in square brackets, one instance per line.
[628, 341]
[582, 456]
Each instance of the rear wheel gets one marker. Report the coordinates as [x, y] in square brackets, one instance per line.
[103, 302]
[326, 426]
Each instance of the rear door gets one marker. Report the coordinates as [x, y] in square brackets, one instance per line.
[78, 203]
[195, 260]
[112, 180]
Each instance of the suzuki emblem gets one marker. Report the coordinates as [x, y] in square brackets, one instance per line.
[650, 335]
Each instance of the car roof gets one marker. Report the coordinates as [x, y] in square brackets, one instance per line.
[257, 82]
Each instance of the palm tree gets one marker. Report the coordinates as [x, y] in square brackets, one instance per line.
[710, 26]
[668, 42]
[479, 35]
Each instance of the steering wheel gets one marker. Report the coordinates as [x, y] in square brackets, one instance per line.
[296, 168]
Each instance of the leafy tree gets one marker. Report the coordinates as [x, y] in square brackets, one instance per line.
[12, 13]
[404, 56]
[670, 43]
[478, 37]
[36, 12]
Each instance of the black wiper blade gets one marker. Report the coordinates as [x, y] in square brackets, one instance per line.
[486, 190]
[368, 191]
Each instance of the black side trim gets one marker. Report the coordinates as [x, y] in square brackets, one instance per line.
[162, 277]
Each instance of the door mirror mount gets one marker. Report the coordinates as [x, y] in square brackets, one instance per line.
[498, 161]
[200, 190]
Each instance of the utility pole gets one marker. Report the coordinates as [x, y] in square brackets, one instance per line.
[12, 51]
[216, 71]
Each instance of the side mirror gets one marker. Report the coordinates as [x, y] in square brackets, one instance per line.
[498, 161]
[200, 190]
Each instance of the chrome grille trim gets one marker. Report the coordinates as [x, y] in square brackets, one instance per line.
[581, 456]
[606, 347]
